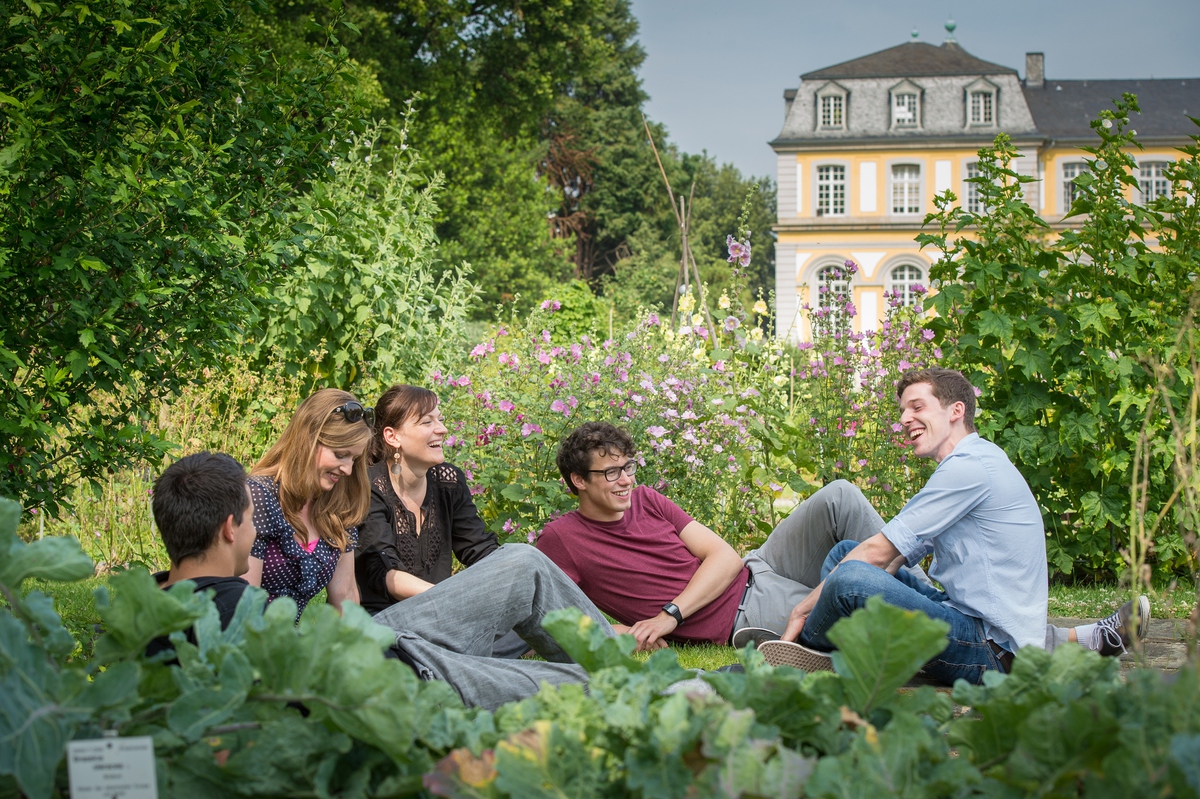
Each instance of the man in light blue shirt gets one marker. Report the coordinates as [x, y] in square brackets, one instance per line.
[978, 518]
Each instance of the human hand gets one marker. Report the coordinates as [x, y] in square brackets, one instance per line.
[650, 633]
[795, 625]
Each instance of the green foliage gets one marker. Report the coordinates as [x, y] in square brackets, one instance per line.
[1061, 335]
[148, 154]
[226, 721]
[366, 304]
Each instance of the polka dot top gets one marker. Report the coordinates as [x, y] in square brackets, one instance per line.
[288, 568]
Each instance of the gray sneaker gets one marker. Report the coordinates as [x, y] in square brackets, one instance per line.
[786, 653]
[752, 635]
[1112, 634]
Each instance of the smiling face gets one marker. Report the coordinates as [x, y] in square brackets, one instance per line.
[419, 440]
[931, 428]
[334, 464]
[600, 499]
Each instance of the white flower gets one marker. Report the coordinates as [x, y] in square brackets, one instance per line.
[779, 380]
[760, 308]
[756, 334]
[697, 319]
[723, 303]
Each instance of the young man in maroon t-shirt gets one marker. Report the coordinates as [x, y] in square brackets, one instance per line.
[666, 577]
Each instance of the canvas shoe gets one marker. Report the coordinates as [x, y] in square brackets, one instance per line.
[752, 635]
[1112, 636]
[786, 653]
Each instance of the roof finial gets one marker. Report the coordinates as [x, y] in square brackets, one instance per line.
[915, 34]
[950, 26]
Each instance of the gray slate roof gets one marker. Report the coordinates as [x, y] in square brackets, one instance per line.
[912, 60]
[1063, 108]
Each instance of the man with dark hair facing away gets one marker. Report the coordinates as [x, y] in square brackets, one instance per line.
[648, 564]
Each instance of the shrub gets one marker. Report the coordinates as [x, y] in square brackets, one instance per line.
[1058, 333]
[149, 151]
[845, 383]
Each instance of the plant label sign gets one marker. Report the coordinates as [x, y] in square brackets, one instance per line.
[112, 768]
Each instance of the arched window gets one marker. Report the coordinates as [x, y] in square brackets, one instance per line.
[832, 294]
[902, 279]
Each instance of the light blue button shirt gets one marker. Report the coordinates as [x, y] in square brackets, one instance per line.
[980, 520]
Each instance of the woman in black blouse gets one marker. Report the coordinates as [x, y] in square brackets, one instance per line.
[421, 509]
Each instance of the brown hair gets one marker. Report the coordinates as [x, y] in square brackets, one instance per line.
[399, 404]
[291, 462]
[948, 386]
[575, 452]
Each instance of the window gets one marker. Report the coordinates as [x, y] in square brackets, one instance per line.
[904, 110]
[906, 189]
[982, 108]
[1152, 182]
[832, 111]
[831, 190]
[971, 190]
[833, 293]
[1070, 192]
[902, 280]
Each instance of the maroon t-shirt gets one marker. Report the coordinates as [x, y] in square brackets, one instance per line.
[632, 567]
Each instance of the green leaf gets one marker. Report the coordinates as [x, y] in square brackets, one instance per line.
[587, 644]
[994, 324]
[141, 611]
[880, 647]
[57, 558]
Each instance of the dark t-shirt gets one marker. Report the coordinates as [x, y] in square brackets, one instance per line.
[226, 593]
[389, 540]
[630, 568]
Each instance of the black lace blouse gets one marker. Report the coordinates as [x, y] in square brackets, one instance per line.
[388, 539]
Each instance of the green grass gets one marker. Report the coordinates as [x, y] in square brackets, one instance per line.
[1172, 601]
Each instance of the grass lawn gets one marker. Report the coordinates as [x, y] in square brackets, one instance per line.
[74, 603]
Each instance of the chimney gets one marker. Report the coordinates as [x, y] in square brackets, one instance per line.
[1035, 70]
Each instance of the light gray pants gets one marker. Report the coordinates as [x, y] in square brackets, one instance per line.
[787, 566]
[450, 630]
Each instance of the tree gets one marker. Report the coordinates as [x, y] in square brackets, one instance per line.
[149, 153]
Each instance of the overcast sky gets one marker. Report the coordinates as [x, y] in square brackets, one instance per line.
[715, 70]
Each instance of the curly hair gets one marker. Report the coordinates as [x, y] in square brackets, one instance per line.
[575, 452]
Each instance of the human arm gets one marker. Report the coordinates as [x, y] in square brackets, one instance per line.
[253, 575]
[469, 537]
[342, 587]
[378, 564]
[876, 550]
[719, 566]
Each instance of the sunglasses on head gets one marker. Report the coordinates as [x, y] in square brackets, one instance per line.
[355, 412]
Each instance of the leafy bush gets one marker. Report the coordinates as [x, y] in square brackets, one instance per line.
[148, 152]
[367, 304]
[694, 400]
[269, 708]
[1059, 333]
[846, 383]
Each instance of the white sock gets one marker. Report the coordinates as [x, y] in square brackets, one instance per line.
[1086, 633]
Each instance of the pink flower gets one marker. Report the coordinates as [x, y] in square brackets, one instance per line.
[897, 428]
[510, 526]
[739, 252]
[558, 406]
[507, 406]
[529, 429]
[479, 351]
[543, 357]
[927, 334]
[658, 431]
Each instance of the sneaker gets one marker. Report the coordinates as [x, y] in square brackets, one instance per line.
[732, 668]
[786, 653]
[1112, 635]
[752, 635]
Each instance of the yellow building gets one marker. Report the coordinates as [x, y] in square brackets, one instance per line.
[867, 143]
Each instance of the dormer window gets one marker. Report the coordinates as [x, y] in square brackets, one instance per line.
[982, 108]
[831, 107]
[906, 106]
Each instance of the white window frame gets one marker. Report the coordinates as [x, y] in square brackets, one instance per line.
[836, 100]
[911, 188]
[837, 287]
[1152, 186]
[972, 201]
[904, 283]
[1069, 171]
[905, 89]
[832, 201]
[988, 96]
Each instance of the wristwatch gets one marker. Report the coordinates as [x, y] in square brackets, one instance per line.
[673, 610]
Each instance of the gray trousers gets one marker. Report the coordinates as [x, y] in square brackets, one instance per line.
[449, 631]
[787, 566]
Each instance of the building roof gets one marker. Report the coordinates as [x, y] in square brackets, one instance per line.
[1063, 109]
[911, 60]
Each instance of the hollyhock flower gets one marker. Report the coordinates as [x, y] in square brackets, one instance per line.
[543, 357]
[546, 336]
[558, 406]
[510, 526]
[529, 429]
[927, 334]
[897, 428]
[479, 351]
[732, 323]
[658, 431]
[507, 406]
[723, 303]
[760, 308]
[652, 320]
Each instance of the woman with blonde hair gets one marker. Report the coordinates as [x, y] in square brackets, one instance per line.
[310, 493]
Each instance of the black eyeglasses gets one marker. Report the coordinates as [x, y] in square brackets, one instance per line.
[355, 412]
[613, 473]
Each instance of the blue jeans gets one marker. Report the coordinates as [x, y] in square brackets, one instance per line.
[968, 654]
